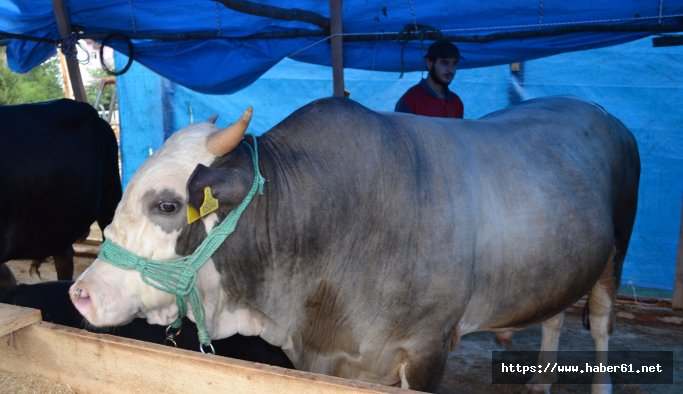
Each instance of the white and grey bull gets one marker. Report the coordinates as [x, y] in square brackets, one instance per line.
[383, 238]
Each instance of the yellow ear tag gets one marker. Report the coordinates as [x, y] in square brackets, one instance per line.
[192, 214]
[210, 203]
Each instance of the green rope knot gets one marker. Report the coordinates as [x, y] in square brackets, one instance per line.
[140, 265]
[178, 276]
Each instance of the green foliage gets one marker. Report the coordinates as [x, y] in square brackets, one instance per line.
[9, 93]
[43, 83]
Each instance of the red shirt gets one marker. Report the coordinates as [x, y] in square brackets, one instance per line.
[421, 100]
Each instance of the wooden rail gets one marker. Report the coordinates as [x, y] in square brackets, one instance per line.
[89, 362]
[643, 309]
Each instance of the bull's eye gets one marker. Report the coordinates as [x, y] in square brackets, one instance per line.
[167, 207]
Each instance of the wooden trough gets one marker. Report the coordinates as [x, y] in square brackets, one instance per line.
[33, 352]
[88, 362]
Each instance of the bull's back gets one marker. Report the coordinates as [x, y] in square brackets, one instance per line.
[56, 160]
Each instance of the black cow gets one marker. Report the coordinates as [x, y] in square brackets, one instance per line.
[58, 174]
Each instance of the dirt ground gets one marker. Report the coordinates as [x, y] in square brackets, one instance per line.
[469, 366]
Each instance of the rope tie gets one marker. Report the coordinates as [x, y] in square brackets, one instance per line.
[140, 265]
[178, 276]
[68, 45]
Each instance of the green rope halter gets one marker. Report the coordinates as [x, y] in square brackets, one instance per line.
[178, 276]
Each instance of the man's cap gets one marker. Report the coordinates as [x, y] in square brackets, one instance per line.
[442, 49]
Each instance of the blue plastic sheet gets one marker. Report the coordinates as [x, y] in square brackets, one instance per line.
[227, 57]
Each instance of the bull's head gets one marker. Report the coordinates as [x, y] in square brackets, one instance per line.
[147, 223]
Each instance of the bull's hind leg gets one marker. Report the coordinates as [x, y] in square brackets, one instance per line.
[601, 317]
[550, 341]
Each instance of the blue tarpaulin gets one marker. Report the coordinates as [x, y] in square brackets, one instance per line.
[211, 48]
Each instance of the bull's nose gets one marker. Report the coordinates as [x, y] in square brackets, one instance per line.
[80, 293]
[80, 298]
[77, 293]
[77, 290]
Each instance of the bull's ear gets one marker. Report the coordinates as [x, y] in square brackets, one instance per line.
[227, 186]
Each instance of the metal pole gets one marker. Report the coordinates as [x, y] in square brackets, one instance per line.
[677, 301]
[74, 75]
[337, 43]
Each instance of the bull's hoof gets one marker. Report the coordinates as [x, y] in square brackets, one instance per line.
[541, 382]
[602, 384]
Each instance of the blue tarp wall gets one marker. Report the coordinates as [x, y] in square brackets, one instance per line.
[221, 47]
[641, 85]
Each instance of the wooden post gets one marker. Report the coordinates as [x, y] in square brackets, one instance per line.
[337, 43]
[68, 93]
[677, 299]
[74, 74]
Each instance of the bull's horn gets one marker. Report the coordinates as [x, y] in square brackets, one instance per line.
[224, 141]
[212, 118]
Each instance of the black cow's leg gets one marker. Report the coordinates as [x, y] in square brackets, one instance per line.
[7, 280]
[64, 263]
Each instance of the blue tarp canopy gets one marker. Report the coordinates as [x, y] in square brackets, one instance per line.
[223, 46]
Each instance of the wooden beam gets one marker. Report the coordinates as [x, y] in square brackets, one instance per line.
[677, 299]
[74, 75]
[68, 93]
[13, 318]
[337, 43]
[89, 362]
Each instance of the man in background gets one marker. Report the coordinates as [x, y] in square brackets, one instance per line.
[431, 97]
